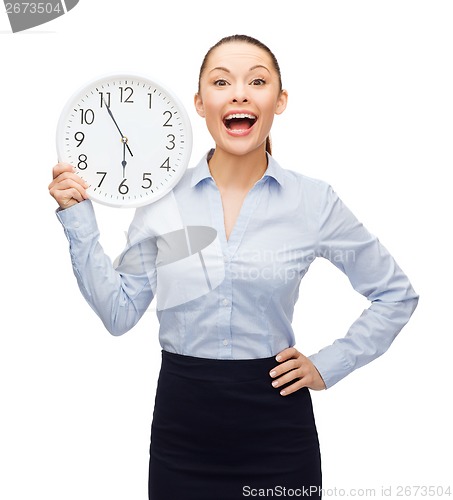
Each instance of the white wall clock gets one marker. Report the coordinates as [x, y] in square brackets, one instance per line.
[128, 137]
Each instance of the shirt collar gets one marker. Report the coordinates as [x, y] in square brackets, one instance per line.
[202, 172]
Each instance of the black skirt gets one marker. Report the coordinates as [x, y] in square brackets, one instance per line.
[220, 431]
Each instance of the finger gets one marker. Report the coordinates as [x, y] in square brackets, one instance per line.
[284, 367]
[65, 196]
[287, 353]
[288, 377]
[69, 192]
[68, 183]
[61, 167]
[65, 176]
[79, 195]
[306, 376]
[293, 387]
[68, 175]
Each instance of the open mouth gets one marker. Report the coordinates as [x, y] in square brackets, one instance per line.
[239, 121]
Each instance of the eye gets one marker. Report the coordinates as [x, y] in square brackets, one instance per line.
[258, 81]
[220, 82]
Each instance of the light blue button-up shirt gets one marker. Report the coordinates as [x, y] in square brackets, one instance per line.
[234, 299]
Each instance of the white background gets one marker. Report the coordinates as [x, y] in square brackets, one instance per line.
[370, 111]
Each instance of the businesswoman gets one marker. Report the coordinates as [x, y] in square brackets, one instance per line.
[233, 413]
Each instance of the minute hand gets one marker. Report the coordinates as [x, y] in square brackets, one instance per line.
[119, 130]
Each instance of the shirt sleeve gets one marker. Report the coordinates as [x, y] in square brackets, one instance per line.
[119, 293]
[373, 272]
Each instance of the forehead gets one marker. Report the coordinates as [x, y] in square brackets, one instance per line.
[238, 53]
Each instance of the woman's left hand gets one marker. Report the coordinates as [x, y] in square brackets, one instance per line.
[295, 366]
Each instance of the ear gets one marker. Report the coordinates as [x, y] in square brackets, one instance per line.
[281, 102]
[199, 105]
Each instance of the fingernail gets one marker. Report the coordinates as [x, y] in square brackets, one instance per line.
[273, 373]
[275, 383]
[283, 392]
[278, 358]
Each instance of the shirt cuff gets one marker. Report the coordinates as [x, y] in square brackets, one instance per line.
[331, 365]
[78, 220]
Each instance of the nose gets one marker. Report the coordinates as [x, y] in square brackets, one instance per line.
[240, 94]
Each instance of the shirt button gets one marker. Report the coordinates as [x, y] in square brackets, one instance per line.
[225, 342]
[76, 224]
[225, 302]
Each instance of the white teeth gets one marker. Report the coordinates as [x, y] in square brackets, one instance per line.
[240, 115]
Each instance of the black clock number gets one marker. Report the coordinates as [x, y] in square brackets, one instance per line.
[105, 100]
[147, 179]
[150, 100]
[82, 165]
[86, 116]
[167, 123]
[172, 141]
[166, 164]
[126, 94]
[79, 136]
[102, 179]
[123, 188]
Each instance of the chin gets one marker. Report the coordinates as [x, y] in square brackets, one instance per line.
[244, 150]
[241, 146]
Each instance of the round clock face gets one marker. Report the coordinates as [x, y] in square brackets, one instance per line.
[128, 137]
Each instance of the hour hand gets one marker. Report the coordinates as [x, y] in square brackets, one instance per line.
[124, 162]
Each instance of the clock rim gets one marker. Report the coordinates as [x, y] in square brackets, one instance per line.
[188, 141]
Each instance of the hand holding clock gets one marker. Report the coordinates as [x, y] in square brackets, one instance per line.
[67, 187]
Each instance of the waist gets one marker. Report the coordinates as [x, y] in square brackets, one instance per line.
[216, 370]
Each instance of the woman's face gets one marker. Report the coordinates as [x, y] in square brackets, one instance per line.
[239, 96]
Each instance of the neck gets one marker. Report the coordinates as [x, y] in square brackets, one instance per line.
[237, 172]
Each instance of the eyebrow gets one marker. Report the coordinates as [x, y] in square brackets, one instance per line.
[259, 66]
[220, 68]
[226, 70]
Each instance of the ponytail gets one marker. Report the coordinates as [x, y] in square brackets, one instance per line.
[268, 145]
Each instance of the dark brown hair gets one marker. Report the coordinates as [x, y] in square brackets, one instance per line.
[251, 41]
